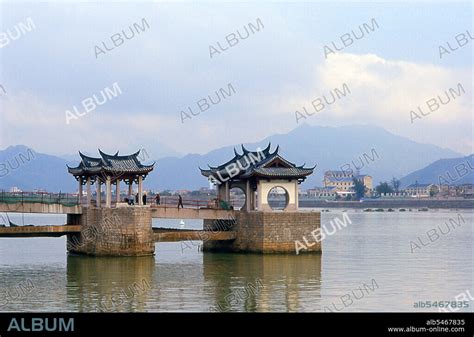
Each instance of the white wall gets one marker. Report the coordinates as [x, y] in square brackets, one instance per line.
[264, 187]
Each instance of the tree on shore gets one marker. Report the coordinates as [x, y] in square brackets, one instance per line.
[396, 184]
[359, 188]
[383, 187]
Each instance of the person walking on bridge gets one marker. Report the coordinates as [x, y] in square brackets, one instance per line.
[180, 201]
[157, 198]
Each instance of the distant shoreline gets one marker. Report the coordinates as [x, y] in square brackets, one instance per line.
[443, 204]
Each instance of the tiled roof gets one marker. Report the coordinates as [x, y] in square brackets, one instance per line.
[111, 164]
[279, 172]
[334, 172]
[338, 180]
[257, 163]
[324, 189]
[418, 185]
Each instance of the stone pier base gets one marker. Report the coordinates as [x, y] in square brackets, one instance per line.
[112, 232]
[266, 232]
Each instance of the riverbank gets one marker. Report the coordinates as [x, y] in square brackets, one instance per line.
[384, 203]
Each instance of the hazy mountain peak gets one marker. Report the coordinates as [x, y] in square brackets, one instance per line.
[374, 150]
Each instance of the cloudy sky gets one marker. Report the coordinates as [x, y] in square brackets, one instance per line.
[276, 71]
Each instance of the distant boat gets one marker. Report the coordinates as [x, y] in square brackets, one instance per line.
[181, 223]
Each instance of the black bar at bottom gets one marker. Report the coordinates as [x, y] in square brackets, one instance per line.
[321, 324]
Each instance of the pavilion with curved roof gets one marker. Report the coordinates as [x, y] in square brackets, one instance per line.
[257, 173]
[110, 170]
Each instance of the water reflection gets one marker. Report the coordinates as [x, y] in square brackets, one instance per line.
[225, 282]
[109, 284]
[376, 246]
[288, 281]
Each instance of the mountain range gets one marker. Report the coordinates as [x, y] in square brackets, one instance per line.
[444, 171]
[373, 150]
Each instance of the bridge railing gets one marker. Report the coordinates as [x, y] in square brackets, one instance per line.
[68, 199]
[172, 202]
[65, 199]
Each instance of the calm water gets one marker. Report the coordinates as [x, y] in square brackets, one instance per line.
[37, 275]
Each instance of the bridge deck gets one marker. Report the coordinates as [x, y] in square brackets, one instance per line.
[60, 203]
[38, 207]
[191, 213]
[38, 231]
[172, 235]
[160, 234]
[156, 211]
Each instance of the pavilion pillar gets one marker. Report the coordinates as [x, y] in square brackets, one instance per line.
[259, 196]
[88, 191]
[99, 193]
[108, 192]
[140, 190]
[117, 191]
[227, 191]
[80, 191]
[296, 194]
[220, 192]
[248, 197]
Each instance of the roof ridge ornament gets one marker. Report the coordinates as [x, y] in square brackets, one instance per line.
[130, 165]
[236, 170]
[277, 149]
[86, 156]
[267, 149]
[102, 154]
[134, 154]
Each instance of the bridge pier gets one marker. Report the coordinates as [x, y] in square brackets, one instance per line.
[112, 232]
[128, 231]
[266, 232]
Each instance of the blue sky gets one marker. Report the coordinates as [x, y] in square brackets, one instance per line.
[274, 72]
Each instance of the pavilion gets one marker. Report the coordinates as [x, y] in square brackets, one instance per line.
[257, 173]
[110, 170]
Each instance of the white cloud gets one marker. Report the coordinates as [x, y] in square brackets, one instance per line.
[383, 92]
[167, 68]
[28, 120]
